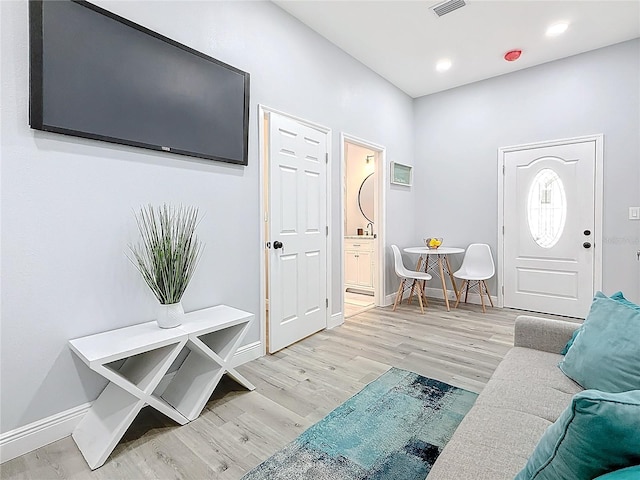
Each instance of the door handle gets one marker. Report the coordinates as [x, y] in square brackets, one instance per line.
[586, 245]
[277, 244]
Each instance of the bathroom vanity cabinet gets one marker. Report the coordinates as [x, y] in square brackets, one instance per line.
[359, 263]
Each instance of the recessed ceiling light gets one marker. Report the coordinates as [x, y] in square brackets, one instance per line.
[443, 65]
[557, 29]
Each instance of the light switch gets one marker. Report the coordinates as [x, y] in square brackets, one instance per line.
[634, 213]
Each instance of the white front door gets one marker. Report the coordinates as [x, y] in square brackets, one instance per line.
[297, 231]
[549, 205]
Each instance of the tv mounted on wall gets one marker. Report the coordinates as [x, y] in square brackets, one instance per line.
[97, 75]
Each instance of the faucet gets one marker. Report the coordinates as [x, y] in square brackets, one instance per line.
[370, 232]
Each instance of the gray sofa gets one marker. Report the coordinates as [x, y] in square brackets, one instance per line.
[525, 395]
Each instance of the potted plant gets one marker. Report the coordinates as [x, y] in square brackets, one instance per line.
[166, 256]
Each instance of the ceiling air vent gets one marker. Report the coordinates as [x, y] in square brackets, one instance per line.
[447, 7]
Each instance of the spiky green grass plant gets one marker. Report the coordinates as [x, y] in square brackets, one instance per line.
[168, 250]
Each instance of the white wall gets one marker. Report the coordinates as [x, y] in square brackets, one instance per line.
[67, 203]
[458, 133]
[356, 170]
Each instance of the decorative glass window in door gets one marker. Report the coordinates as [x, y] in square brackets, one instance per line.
[547, 208]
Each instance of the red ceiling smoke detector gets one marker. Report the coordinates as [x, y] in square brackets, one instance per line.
[512, 55]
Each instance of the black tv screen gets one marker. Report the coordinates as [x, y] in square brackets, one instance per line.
[96, 75]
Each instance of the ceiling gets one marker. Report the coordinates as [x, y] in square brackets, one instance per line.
[403, 40]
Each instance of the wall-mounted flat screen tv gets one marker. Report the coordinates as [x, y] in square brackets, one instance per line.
[97, 75]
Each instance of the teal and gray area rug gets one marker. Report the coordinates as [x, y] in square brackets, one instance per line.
[393, 429]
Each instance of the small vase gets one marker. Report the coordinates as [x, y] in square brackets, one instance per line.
[170, 315]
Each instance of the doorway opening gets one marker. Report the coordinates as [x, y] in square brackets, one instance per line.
[363, 225]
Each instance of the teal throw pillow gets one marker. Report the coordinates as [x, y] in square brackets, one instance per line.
[599, 432]
[618, 297]
[605, 354]
[630, 473]
[570, 342]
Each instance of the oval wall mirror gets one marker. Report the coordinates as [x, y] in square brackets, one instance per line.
[365, 197]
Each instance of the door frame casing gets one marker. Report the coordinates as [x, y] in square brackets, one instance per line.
[263, 157]
[598, 200]
[380, 169]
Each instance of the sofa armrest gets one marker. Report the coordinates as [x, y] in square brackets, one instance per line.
[542, 333]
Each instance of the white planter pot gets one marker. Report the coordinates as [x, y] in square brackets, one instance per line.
[170, 315]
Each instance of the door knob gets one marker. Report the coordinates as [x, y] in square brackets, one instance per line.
[277, 244]
[586, 245]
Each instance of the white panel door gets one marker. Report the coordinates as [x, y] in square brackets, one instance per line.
[549, 221]
[297, 231]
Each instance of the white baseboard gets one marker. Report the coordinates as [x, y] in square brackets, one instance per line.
[40, 433]
[432, 292]
[389, 299]
[43, 432]
[246, 353]
[335, 320]
[474, 298]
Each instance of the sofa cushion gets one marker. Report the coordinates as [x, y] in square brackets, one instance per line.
[598, 432]
[528, 381]
[535, 367]
[605, 352]
[486, 446]
[536, 399]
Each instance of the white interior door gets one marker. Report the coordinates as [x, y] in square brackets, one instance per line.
[549, 227]
[297, 231]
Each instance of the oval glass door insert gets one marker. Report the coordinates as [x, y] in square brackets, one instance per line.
[547, 208]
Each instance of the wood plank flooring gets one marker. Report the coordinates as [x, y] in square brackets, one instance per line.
[294, 389]
[356, 303]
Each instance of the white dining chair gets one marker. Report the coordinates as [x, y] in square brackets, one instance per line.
[477, 267]
[419, 278]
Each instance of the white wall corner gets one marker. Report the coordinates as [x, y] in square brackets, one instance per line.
[56, 427]
[335, 320]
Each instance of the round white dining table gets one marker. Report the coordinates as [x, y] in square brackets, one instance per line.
[442, 263]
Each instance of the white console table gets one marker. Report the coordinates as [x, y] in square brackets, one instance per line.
[136, 359]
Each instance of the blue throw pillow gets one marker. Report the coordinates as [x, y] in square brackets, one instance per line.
[570, 342]
[605, 354]
[598, 433]
[618, 297]
[630, 473]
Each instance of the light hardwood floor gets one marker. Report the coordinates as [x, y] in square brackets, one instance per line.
[294, 389]
[356, 303]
